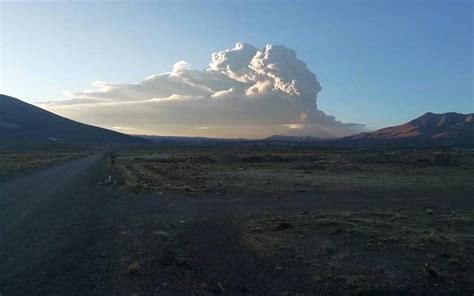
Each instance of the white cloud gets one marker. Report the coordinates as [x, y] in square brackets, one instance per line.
[181, 66]
[245, 92]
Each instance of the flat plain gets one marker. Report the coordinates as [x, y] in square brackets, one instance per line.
[233, 220]
[343, 221]
[285, 169]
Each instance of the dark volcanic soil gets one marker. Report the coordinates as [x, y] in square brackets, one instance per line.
[272, 245]
[61, 233]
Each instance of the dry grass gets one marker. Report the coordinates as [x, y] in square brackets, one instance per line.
[371, 250]
[295, 170]
[11, 161]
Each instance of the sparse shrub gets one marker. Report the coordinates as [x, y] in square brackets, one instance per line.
[134, 267]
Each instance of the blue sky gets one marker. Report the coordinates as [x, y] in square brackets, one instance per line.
[378, 62]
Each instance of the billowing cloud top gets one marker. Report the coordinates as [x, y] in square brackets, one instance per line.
[245, 92]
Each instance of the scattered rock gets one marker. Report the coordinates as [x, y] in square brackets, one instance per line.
[423, 160]
[283, 225]
[162, 233]
[430, 270]
[267, 214]
[221, 286]
[181, 261]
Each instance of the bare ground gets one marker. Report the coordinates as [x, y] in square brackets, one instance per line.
[301, 245]
[63, 233]
[303, 222]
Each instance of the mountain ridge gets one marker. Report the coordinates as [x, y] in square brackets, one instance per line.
[436, 129]
[23, 124]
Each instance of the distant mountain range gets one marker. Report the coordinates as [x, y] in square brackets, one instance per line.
[25, 124]
[189, 140]
[22, 124]
[447, 129]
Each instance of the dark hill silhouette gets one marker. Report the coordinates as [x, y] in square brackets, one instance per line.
[24, 124]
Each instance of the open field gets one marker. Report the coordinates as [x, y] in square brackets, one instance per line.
[410, 235]
[305, 244]
[371, 251]
[308, 221]
[241, 169]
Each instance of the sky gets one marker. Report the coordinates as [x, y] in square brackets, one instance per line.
[378, 63]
